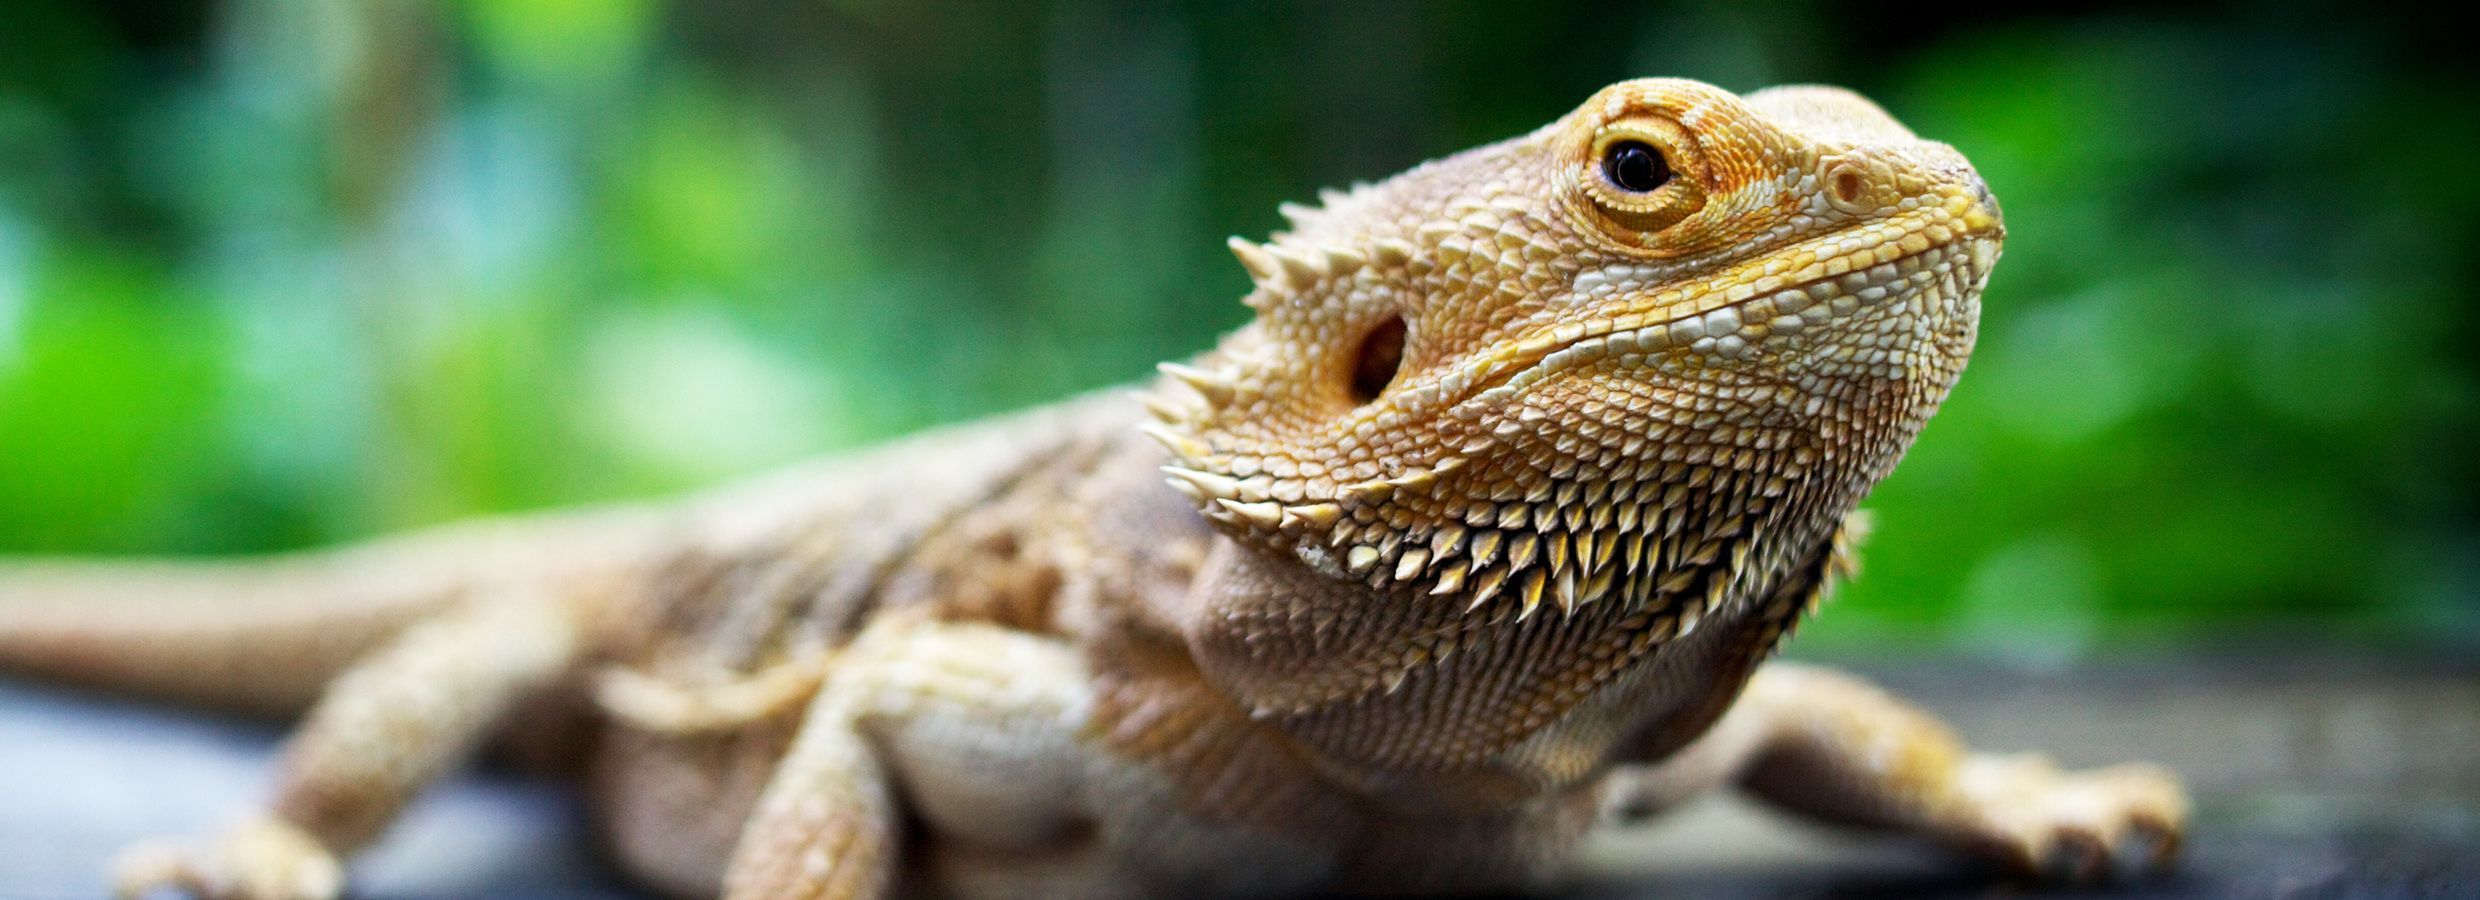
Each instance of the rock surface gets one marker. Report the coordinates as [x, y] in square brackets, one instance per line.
[2331, 777]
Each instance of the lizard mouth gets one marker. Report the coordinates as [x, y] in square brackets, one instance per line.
[1854, 285]
[1842, 280]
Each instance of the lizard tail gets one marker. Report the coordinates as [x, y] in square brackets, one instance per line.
[264, 635]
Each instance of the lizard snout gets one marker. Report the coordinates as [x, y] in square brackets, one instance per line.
[1988, 201]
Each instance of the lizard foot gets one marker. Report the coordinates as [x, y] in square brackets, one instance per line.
[263, 860]
[2078, 827]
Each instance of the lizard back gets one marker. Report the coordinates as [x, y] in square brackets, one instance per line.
[1028, 521]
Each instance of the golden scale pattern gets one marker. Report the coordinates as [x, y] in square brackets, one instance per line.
[1648, 450]
[1527, 459]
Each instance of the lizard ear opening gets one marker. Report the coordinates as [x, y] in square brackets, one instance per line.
[1381, 355]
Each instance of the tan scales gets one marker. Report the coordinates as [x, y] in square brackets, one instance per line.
[1474, 540]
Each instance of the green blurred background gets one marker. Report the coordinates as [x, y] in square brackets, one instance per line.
[282, 272]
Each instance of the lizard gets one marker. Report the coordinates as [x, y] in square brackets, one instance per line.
[1480, 535]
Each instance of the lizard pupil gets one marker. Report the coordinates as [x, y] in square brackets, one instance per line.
[1635, 167]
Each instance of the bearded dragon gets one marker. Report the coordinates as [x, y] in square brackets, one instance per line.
[1477, 538]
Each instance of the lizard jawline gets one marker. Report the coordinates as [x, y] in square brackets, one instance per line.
[1964, 259]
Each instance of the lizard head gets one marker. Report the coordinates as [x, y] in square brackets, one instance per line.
[1632, 369]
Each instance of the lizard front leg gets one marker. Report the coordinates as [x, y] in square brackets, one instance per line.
[383, 730]
[987, 739]
[825, 827]
[977, 722]
[1832, 747]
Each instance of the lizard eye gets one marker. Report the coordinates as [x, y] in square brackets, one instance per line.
[1635, 167]
[1641, 175]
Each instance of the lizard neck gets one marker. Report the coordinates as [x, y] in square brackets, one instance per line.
[1517, 711]
[1399, 692]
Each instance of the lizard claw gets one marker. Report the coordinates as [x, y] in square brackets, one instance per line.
[262, 860]
[2089, 827]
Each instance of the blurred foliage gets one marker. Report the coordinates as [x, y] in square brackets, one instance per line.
[278, 272]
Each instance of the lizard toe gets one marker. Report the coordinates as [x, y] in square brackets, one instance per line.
[2111, 824]
[263, 860]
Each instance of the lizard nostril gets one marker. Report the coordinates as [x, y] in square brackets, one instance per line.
[1847, 186]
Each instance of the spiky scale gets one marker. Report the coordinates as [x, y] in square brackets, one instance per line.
[1361, 558]
[1210, 484]
[1261, 265]
[1218, 390]
[1264, 513]
[1534, 582]
[1486, 585]
[1392, 251]
[1411, 563]
[1180, 445]
[1298, 271]
[1679, 581]
[1166, 410]
[1395, 679]
[1341, 261]
[1520, 549]
[1485, 545]
[1315, 515]
[1188, 490]
[1599, 586]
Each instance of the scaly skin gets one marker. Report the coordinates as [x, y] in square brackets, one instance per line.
[1475, 539]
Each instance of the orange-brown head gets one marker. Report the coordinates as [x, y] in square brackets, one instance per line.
[1635, 367]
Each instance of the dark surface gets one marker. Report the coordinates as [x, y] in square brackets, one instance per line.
[2341, 778]
[81, 777]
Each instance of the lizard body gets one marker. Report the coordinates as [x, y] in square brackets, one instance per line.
[1474, 540]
